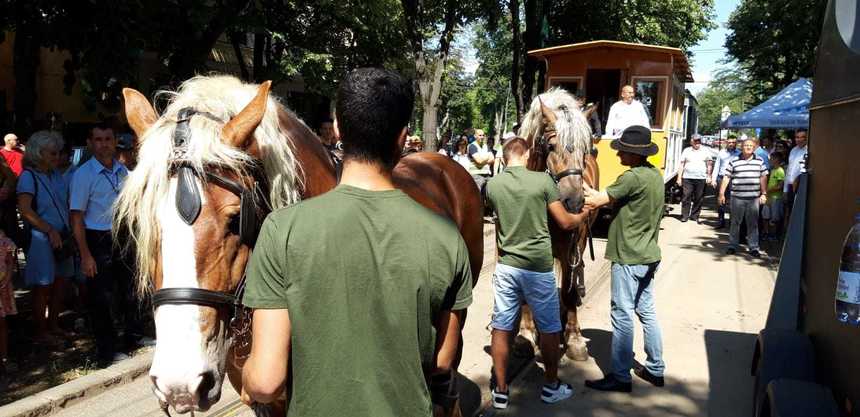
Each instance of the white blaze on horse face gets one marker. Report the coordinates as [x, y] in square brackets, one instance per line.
[180, 356]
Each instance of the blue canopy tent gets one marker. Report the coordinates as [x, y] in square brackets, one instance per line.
[788, 109]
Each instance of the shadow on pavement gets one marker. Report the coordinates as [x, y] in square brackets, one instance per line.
[731, 385]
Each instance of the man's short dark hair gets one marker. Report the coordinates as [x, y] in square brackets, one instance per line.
[373, 106]
[779, 156]
[100, 126]
[326, 120]
[514, 147]
[801, 130]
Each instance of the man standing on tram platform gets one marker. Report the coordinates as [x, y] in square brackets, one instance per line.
[637, 197]
[625, 113]
[397, 316]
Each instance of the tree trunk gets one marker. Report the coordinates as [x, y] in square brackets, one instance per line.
[235, 37]
[192, 54]
[516, 43]
[430, 86]
[259, 49]
[25, 67]
[429, 65]
[532, 41]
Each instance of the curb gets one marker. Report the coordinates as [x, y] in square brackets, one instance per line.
[57, 398]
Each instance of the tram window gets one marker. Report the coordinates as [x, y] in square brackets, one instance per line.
[650, 92]
[571, 84]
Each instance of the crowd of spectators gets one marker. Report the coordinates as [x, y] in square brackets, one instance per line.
[59, 215]
[756, 181]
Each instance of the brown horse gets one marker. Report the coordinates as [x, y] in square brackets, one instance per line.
[221, 156]
[560, 141]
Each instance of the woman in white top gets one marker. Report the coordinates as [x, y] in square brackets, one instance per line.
[461, 156]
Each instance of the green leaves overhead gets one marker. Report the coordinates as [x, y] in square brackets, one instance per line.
[774, 41]
[676, 23]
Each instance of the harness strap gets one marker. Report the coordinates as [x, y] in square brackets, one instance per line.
[197, 296]
[567, 173]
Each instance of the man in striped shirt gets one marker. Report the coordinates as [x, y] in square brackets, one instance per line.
[747, 176]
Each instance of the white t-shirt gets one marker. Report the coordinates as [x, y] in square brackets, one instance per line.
[623, 115]
[482, 150]
[462, 159]
[796, 165]
[696, 162]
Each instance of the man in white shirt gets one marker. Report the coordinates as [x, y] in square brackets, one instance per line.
[625, 113]
[722, 161]
[796, 166]
[480, 159]
[695, 169]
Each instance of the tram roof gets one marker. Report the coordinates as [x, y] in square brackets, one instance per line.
[680, 59]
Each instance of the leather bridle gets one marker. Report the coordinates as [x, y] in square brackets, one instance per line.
[188, 205]
[546, 148]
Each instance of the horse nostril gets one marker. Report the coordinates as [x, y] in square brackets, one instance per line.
[205, 383]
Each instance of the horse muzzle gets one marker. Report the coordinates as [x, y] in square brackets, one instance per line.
[198, 394]
[573, 205]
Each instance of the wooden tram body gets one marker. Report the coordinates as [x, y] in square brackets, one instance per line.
[657, 73]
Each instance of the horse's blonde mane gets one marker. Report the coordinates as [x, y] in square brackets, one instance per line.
[146, 187]
[571, 125]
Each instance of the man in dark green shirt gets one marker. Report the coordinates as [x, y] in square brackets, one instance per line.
[637, 197]
[362, 331]
[524, 272]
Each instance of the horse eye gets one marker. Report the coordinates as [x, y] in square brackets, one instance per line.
[233, 224]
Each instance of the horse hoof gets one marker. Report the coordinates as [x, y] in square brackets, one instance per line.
[577, 353]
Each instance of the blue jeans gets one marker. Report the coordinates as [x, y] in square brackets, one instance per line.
[513, 285]
[632, 292]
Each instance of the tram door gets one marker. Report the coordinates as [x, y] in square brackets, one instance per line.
[603, 86]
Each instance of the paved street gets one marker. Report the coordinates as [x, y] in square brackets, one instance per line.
[710, 308]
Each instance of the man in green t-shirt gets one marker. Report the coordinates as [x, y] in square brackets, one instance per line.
[521, 199]
[364, 331]
[637, 197]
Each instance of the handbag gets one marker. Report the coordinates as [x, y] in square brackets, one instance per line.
[69, 246]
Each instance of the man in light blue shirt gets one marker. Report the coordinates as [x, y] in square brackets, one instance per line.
[95, 186]
[723, 158]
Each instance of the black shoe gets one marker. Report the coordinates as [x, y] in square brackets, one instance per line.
[754, 253]
[730, 251]
[609, 383]
[643, 373]
[698, 221]
[721, 225]
[684, 219]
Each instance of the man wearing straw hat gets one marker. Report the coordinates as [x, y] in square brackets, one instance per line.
[637, 201]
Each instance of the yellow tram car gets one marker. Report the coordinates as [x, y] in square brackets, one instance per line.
[657, 73]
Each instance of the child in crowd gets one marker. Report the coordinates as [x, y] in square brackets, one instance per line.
[772, 212]
[7, 300]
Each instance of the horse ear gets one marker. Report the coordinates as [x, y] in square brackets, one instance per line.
[140, 114]
[547, 113]
[239, 131]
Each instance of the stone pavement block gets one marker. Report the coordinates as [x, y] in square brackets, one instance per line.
[62, 396]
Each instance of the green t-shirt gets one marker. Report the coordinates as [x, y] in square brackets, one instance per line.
[364, 274]
[639, 196]
[520, 198]
[776, 175]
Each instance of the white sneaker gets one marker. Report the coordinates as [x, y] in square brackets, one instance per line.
[119, 357]
[146, 342]
[552, 395]
[500, 399]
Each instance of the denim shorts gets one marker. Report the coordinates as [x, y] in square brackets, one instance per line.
[513, 285]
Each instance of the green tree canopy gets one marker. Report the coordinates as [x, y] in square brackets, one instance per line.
[775, 41]
[729, 87]
[676, 23]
